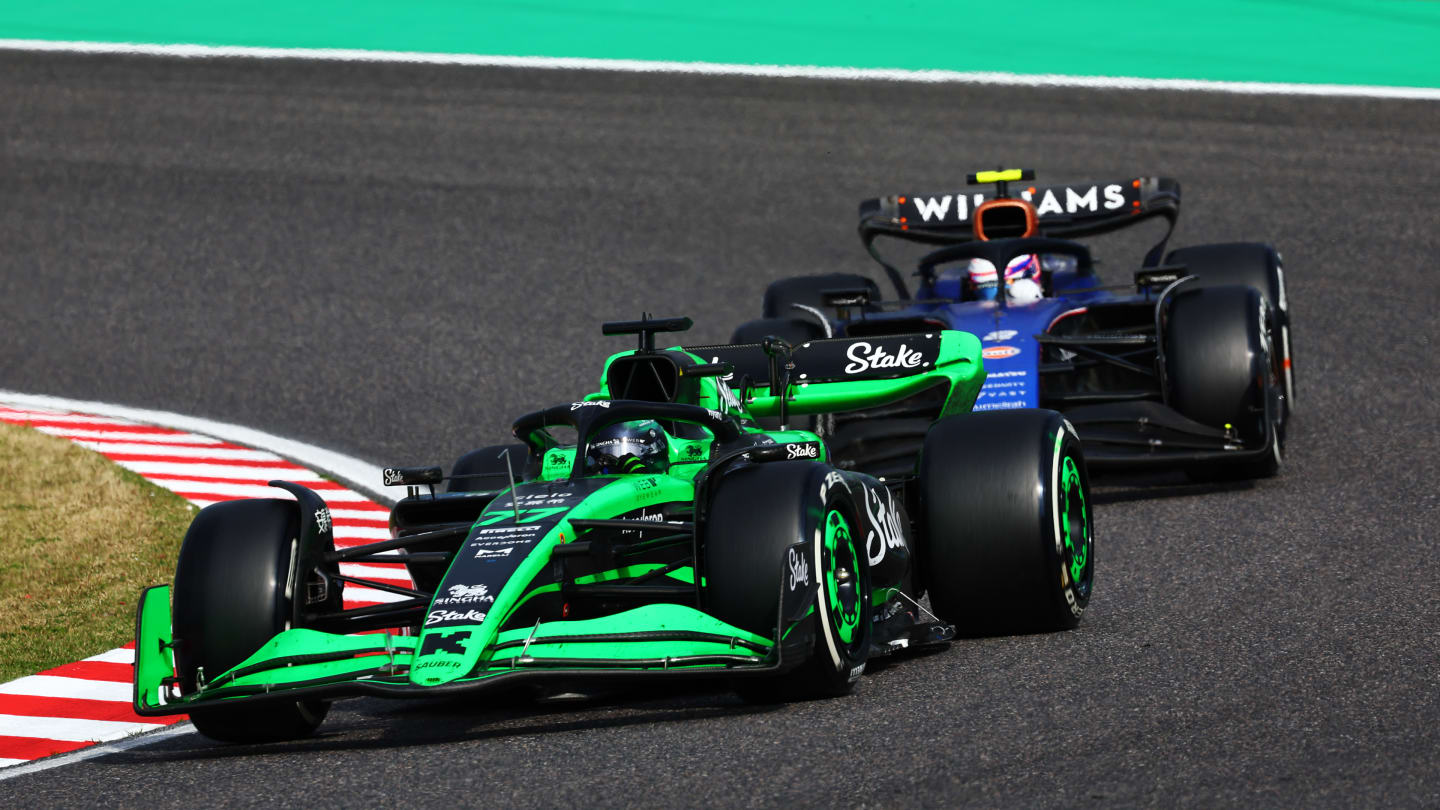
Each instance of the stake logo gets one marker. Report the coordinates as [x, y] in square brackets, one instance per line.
[885, 520]
[864, 356]
[598, 403]
[806, 450]
[437, 616]
[799, 570]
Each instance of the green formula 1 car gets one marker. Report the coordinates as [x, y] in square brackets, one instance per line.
[653, 530]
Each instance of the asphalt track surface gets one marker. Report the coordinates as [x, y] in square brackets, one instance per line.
[394, 261]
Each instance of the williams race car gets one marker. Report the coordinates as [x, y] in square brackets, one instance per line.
[649, 531]
[1189, 366]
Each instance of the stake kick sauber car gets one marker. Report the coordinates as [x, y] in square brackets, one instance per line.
[651, 531]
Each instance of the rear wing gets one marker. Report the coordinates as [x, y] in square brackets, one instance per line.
[1065, 211]
[841, 374]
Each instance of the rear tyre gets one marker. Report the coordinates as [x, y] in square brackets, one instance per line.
[757, 517]
[781, 295]
[1007, 531]
[1254, 265]
[488, 462]
[1220, 371]
[234, 591]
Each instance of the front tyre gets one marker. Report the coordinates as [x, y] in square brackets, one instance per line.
[235, 585]
[1008, 536]
[1221, 371]
[1254, 265]
[759, 517]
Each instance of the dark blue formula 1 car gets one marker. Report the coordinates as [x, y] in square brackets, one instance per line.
[1186, 365]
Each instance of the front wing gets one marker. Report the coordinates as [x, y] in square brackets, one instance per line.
[655, 641]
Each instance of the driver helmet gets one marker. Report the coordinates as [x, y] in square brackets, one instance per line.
[984, 283]
[637, 446]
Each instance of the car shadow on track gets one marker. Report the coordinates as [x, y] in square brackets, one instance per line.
[369, 724]
[1117, 487]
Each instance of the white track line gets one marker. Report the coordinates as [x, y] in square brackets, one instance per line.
[356, 473]
[718, 69]
[95, 751]
[175, 451]
[159, 439]
[69, 729]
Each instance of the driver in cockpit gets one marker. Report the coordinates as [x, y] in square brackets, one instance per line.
[638, 446]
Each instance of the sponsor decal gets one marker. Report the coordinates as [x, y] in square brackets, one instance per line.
[504, 534]
[885, 520]
[856, 672]
[999, 334]
[600, 403]
[995, 375]
[833, 479]
[999, 352]
[716, 415]
[728, 401]
[322, 519]
[452, 642]
[806, 450]
[493, 553]
[437, 616]
[799, 570]
[999, 406]
[693, 451]
[556, 460]
[468, 594]
[1092, 198]
[864, 356]
[391, 477]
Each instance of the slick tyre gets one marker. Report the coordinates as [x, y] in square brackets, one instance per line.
[782, 295]
[1007, 531]
[488, 464]
[1254, 265]
[760, 515]
[1220, 370]
[234, 586]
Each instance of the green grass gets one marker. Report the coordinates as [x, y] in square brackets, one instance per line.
[79, 537]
